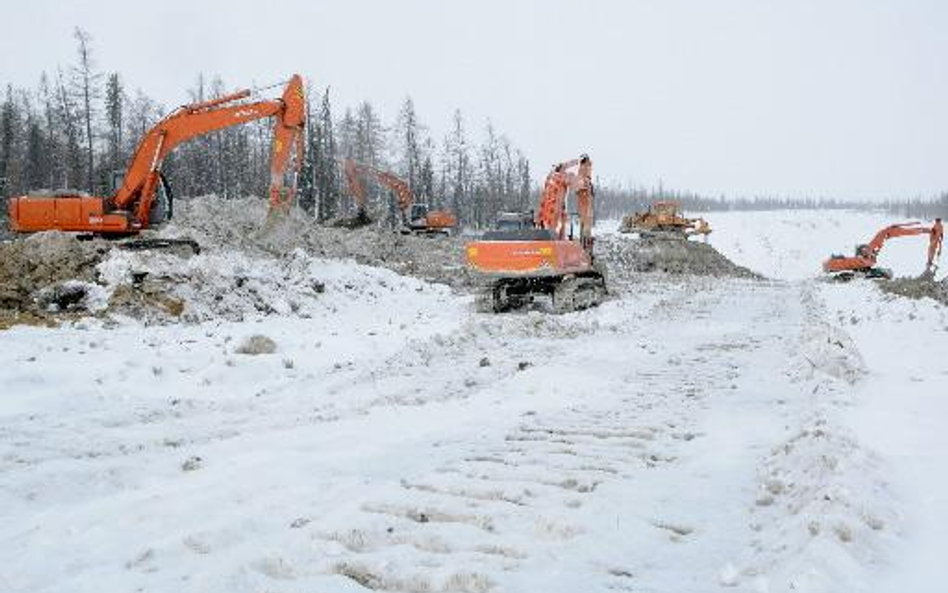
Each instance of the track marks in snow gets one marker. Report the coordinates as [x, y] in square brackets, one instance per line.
[821, 511]
[503, 505]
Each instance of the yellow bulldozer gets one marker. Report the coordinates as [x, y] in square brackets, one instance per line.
[664, 218]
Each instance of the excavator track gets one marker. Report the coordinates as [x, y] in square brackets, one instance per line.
[578, 293]
[567, 293]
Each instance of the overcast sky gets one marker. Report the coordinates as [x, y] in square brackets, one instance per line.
[843, 98]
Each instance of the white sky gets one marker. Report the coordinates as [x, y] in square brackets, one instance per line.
[845, 98]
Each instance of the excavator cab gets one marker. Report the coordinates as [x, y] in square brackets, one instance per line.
[513, 221]
[516, 226]
[163, 206]
[418, 215]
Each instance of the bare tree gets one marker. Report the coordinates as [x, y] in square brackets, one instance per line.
[86, 82]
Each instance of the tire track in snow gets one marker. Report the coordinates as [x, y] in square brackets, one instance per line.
[529, 491]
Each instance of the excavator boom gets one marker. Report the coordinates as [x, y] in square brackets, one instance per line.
[129, 209]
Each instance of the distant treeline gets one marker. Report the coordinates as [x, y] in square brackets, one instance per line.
[80, 124]
[614, 203]
[920, 208]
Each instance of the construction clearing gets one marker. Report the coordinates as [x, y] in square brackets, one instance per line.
[259, 386]
[53, 276]
[292, 354]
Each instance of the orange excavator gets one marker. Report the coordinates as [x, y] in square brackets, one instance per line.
[417, 217]
[864, 261]
[547, 260]
[130, 208]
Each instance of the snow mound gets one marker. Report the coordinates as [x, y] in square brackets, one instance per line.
[821, 512]
[240, 224]
[918, 288]
[672, 256]
[236, 286]
[257, 344]
[830, 350]
[45, 273]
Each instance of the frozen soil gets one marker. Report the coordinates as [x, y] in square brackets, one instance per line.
[238, 224]
[251, 265]
[248, 265]
[668, 255]
[43, 274]
[918, 288]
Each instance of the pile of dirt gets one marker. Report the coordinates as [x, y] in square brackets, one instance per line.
[247, 265]
[668, 255]
[47, 273]
[918, 288]
[239, 224]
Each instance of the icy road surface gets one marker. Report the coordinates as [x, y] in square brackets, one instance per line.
[697, 435]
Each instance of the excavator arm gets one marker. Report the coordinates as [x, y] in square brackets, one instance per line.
[354, 183]
[353, 170]
[552, 213]
[198, 119]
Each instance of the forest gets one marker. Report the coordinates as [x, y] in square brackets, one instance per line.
[81, 123]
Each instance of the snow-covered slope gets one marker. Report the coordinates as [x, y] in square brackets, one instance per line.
[688, 435]
[792, 245]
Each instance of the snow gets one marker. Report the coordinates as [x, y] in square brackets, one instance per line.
[687, 435]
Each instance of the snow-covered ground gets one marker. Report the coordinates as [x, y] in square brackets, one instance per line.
[697, 435]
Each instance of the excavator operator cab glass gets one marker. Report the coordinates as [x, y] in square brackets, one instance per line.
[418, 212]
[163, 206]
[574, 224]
[513, 221]
[118, 177]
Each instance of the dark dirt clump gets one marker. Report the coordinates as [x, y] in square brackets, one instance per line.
[918, 288]
[45, 272]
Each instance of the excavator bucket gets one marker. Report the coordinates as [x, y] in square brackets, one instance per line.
[277, 216]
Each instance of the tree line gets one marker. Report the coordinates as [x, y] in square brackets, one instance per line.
[81, 124]
[614, 202]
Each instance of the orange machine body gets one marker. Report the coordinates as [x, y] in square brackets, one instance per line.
[65, 212]
[554, 253]
[441, 220]
[129, 209]
[528, 258]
